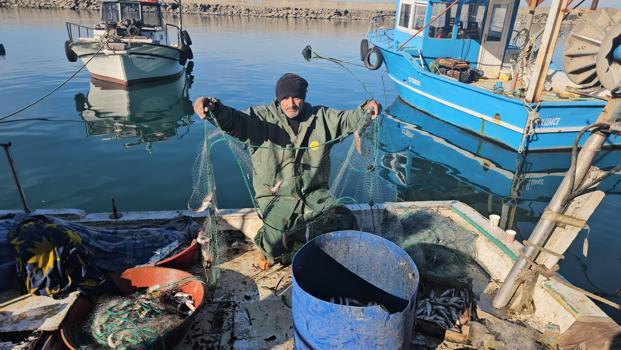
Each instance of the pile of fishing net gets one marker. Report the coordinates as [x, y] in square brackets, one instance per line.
[139, 321]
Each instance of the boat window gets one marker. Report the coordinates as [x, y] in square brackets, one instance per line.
[470, 19]
[497, 22]
[130, 11]
[404, 15]
[151, 15]
[418, 19]
[442, 27]
[109, 12]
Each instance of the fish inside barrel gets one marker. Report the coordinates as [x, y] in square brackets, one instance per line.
[448, 309]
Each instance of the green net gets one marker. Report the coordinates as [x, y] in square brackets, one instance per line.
[203, 198]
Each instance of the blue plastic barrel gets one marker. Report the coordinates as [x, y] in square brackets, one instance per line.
[353, 290]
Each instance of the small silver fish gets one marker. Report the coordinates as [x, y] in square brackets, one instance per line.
[206, 203]
[274, 190]
[357, 145]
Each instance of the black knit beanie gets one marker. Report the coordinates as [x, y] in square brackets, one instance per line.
[291, 85]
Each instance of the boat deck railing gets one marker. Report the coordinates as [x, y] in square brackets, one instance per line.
[79, 31]
[379, 28]
[176, 34]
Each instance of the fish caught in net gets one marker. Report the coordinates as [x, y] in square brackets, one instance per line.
[139, 321]
[359, 177]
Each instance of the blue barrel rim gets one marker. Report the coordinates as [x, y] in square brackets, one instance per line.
[351, 233]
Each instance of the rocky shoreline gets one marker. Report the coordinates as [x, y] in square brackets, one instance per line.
[219, 9]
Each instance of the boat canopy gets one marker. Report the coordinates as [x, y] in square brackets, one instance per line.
[145, 13]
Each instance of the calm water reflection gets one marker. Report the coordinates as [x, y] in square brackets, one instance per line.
[81, 158]
[145, 114]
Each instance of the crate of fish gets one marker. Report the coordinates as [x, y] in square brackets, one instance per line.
[444, 310]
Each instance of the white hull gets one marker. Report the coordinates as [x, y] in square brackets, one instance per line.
[138, 62]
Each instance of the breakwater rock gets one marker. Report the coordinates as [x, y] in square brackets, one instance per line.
[222, 9]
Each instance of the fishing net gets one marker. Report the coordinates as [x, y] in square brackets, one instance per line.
[203, 198]
[359, 177]
[356, 179]
[356, 168]
[139, 321]
[441, 248]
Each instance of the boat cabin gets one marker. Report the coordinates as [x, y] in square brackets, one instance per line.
[132, 18]
[477, 31]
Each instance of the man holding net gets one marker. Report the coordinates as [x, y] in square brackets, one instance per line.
[290, 142]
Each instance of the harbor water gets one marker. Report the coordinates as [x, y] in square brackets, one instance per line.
[88, 143]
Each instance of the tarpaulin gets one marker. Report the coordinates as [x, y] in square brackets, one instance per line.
[55, 257]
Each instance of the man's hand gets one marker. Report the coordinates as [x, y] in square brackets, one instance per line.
[203, 105]
[373, 108]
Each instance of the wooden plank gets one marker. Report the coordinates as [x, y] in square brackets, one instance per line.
[546, 50]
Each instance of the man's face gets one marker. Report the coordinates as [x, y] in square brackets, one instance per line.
[291, 106]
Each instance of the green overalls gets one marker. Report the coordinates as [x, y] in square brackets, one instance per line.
[291, 171]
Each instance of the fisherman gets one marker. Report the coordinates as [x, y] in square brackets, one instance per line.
[290, 142]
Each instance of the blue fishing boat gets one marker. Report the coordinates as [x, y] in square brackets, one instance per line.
[456, 60]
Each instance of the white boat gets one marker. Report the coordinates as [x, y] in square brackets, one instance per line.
[131, 44]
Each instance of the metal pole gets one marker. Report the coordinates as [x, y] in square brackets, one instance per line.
[594, 4]
[19, 185]
[531, 14]
[180, 23]
[545, 226]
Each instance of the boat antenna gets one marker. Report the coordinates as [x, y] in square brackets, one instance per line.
[180, 23]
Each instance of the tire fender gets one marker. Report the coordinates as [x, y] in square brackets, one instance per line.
[188, 52]
[185, 37]
[71, 55]
[364, 49]
[378, 61]
[183, 57]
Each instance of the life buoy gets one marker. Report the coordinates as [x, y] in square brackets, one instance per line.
[185, 37]
[183, 57]
[364, 49]
[71, 55]
[379, 59]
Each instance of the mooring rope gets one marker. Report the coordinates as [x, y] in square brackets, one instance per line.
[56, 88]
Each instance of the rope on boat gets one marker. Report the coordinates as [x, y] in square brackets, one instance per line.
[56, 88]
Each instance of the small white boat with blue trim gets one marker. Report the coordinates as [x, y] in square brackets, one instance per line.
[131, 44]
[454, 60]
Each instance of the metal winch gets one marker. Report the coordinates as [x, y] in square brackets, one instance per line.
[592, 56]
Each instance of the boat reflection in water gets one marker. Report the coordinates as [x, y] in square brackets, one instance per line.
[146, 113]
[432, 160]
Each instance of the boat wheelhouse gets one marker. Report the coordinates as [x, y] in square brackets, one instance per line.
[456, 60]
[131, 44]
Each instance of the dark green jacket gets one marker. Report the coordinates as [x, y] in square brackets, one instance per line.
[290, 171]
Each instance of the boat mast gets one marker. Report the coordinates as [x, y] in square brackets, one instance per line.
[532, 7]
[548, 43]
[594, 4]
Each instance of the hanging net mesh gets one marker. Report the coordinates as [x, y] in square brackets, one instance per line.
[356, 168]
